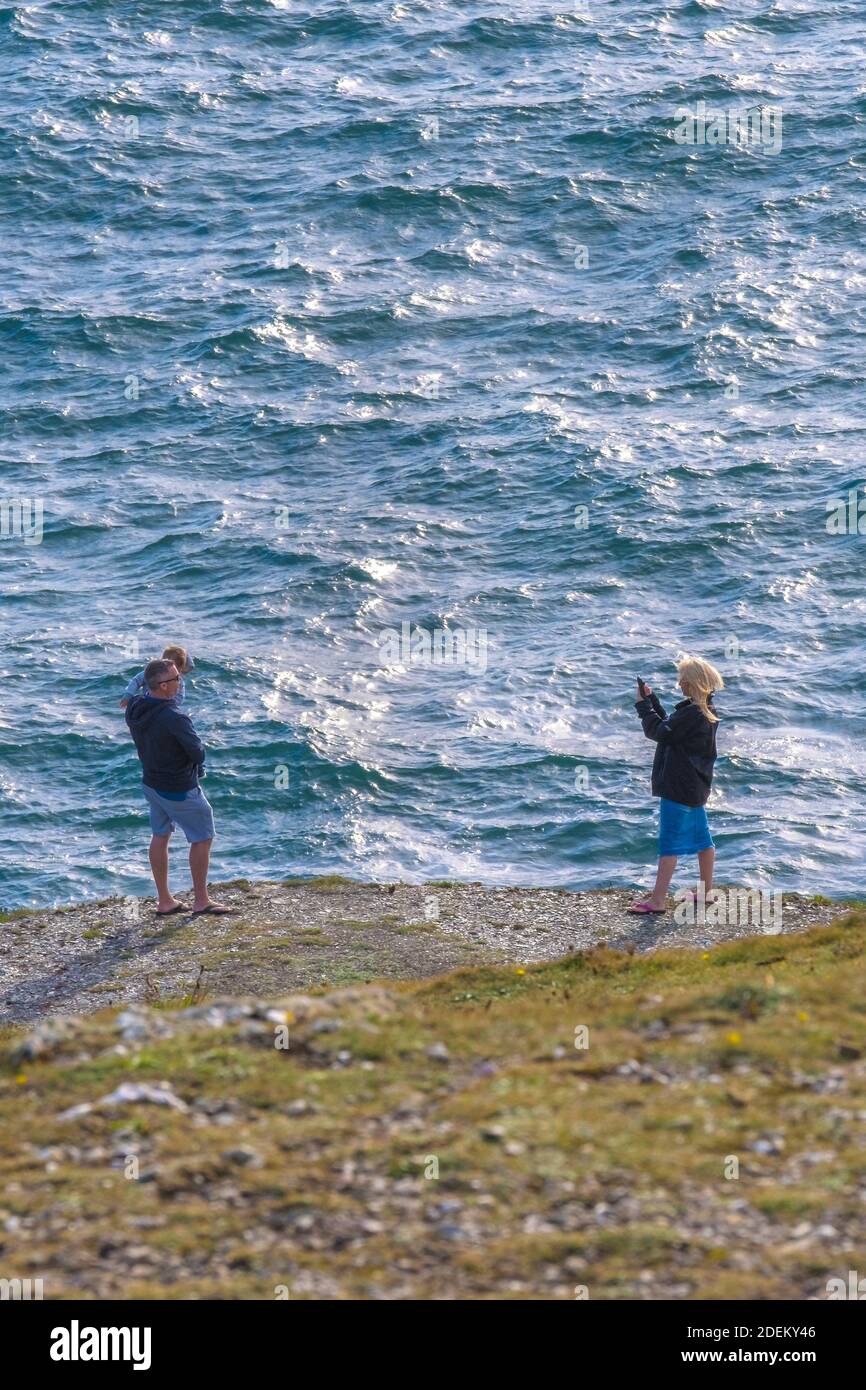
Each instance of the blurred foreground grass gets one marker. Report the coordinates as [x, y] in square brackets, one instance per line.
[454, 1138]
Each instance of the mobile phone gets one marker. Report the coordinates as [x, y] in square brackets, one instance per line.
[640, 689]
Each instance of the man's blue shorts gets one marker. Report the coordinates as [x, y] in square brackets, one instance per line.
[193, 814]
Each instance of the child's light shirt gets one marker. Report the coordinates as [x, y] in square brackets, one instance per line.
[137, 686]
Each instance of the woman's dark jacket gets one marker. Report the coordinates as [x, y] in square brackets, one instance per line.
[683, 764]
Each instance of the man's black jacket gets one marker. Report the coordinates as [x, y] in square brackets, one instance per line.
[171, 753]
[683, 764]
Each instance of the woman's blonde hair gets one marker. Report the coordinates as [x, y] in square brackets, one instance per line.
[698, 679]
[180, 657]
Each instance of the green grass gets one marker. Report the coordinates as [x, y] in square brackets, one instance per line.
[602, 1165]
[390, 919]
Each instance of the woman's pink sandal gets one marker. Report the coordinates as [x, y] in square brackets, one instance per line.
[645, 910]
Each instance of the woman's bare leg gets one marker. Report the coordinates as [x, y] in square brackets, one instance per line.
[664, 874]
[706, 863]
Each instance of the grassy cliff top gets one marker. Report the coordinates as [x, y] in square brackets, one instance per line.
[302, 934]
[458, 1136]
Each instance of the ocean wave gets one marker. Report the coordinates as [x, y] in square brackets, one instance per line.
[322, 320]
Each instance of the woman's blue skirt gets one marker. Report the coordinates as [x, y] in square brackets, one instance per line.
[683, 829]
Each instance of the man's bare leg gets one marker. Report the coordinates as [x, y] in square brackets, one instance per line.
[158, 855]
[199, 863]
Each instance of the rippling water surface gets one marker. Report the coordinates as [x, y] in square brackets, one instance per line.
[317, 319]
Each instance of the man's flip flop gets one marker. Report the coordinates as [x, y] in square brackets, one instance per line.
[645, 910]
[215, 912]
[171, 911]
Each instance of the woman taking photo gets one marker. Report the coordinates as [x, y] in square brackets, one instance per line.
[682, 773]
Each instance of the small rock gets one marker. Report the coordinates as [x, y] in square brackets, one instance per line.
[451, 1232]
[630, 1068]
[44, 1040]
[129, 1093]
[132, 1026]
[438, 1052]
[243, 1157]
[213, 1106]
[75, 1111]
[493, 1134]
[446, 1208]
[772, 1144]
[250, 1030]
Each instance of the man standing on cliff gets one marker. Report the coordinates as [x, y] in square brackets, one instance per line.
[172, 761]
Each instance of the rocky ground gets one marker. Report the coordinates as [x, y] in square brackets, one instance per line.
[677, 1124]
[327, 931]
[433, 1092]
